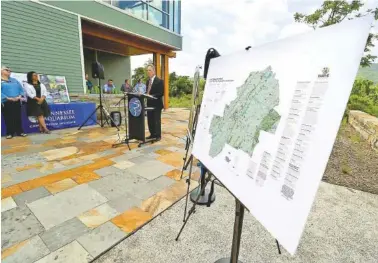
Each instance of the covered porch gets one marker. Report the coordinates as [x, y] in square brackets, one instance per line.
[113, 48]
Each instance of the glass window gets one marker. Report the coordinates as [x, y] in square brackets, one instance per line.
[155, 16]
[156, 3]
[125, 4]
[170, 11]
[137, 8]
[159, 12]
[165, 14]
[177, 17]
[165, 6]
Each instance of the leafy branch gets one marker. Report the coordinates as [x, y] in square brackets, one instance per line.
[333, 12]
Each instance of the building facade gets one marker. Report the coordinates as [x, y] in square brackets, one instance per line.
[65, 37]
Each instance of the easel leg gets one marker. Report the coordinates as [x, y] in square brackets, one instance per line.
[278, 247]
[193, 208]
[188, 182]
[238, 226]
[186, 164]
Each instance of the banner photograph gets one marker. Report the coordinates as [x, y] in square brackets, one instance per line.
[57, 91]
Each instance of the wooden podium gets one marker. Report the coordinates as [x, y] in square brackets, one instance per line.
[137, 111]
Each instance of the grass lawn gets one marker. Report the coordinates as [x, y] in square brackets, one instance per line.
[182, 102]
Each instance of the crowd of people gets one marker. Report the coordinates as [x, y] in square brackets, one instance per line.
[109, 87]
[154, 87]
[13, 94]
[34, 93]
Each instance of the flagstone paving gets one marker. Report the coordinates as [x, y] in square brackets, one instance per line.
[70, 195]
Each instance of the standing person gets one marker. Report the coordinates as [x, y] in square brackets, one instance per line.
[11, 95]
[36, 104]
[140, 87]
[109, 87]
[155, 87]
[88, 83]
[126, 87]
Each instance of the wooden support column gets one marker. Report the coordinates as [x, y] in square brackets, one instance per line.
[166, 82]
[158, 64]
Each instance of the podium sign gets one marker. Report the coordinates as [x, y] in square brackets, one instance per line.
[136, 111]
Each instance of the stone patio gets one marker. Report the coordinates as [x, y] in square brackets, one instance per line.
[70, 195]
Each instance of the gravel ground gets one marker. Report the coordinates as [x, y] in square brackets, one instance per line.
[353, 163]
[341, 228]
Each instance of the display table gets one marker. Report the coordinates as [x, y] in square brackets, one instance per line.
[62, 116]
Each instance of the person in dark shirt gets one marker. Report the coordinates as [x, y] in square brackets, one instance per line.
[155, 88]
[126, 86]
[11, 96]
[37, 106]
[88, 83]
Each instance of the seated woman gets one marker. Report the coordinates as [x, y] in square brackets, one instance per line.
[36, 104]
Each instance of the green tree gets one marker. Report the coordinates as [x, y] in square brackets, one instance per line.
[333, 12]
[172, 77]
[148, 62]
[364, 97]
[139, 73]
[179, 85]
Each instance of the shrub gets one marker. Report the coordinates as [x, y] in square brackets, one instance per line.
[96, 90]
[364, 97]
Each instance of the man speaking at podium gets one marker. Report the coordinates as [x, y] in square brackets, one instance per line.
[155, 87]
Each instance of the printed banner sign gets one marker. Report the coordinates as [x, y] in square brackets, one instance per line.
[57, 91]
[62, 116]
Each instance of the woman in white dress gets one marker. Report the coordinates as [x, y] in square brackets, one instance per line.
[36, 105]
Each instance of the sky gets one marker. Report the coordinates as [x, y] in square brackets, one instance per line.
[229, 26]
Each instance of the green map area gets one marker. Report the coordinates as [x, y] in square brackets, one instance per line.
[251, 112]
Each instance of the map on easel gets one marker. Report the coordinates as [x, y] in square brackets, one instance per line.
[268, 122]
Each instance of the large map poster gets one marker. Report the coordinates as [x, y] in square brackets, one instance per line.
[269, 118]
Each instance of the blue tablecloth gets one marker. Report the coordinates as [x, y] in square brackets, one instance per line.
[62, 116]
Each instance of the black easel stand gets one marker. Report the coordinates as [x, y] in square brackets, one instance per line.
[189, 139]
[238, 226]
[186, 160]
[103, 112]
[126, 140]
[193, 208]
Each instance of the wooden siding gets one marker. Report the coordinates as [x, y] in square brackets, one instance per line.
[43, 39]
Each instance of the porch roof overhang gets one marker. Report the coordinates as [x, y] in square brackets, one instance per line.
[100, 37]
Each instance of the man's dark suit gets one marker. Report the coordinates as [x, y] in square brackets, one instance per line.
[154, 117]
